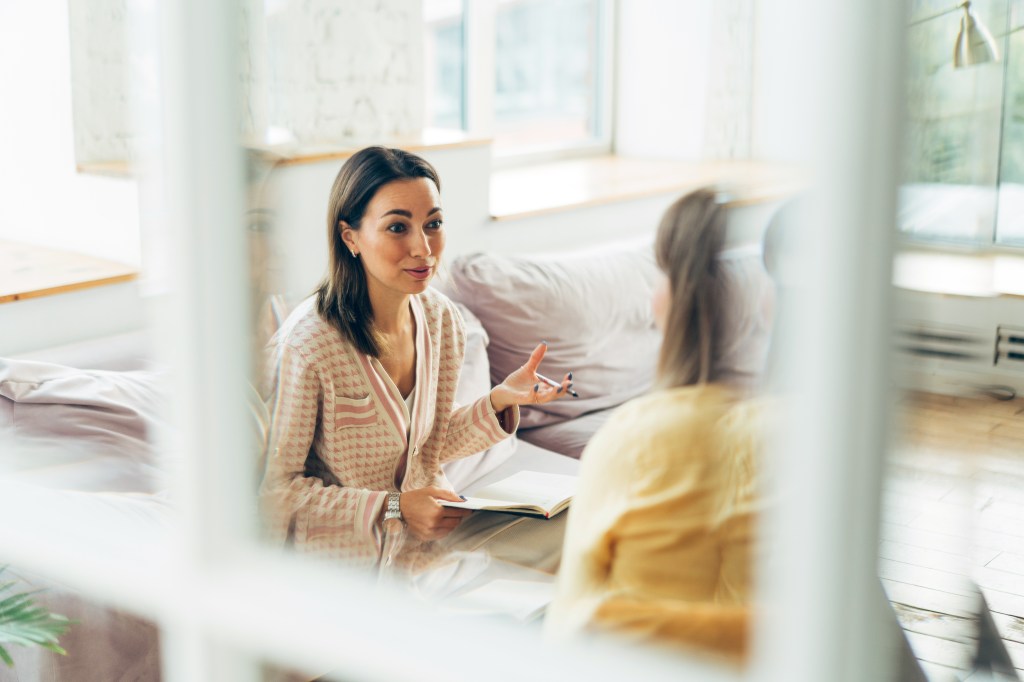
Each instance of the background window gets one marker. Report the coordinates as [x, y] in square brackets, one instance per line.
[547, 74]
[953, 128]
[1010, 227]
[538, 80]
[445, 60]
[964, 170]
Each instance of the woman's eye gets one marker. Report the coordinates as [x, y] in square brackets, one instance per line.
[396, 228]
[435, 224]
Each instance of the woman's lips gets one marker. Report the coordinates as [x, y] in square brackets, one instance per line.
[420, 273]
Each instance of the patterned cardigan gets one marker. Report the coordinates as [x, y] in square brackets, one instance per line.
[338, 440]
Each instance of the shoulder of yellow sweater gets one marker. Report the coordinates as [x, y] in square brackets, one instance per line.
[641, 440]
[674, 415]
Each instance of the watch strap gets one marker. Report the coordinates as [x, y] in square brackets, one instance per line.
[393, 508]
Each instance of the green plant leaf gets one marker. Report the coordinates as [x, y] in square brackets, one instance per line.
[24, 622]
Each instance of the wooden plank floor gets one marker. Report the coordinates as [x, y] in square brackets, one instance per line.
[953, 518]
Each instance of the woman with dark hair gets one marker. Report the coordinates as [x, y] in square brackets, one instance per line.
[364, 376]
[660, 534]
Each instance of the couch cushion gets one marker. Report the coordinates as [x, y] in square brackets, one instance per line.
[592, 307]
[568, 437]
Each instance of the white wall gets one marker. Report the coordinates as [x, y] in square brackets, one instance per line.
[52, 321]
[100, 65]
[343, 71]
[684, 72]
[776, 90]
[662, 67]
[45, 201]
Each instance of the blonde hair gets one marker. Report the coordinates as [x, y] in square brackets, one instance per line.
[719, 322]
[689, 238]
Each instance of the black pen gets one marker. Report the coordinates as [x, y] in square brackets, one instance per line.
[554, 384]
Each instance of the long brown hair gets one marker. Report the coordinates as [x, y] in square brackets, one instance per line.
[342, 298]
[690, 237]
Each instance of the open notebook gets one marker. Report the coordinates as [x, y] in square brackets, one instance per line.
[525, 492]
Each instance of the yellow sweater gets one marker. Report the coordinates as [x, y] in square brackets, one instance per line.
[660, 536]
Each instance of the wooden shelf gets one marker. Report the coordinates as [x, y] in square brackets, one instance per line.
[543, 188]
[30, 271]
[114, 169]
[429, 140]
[296, 154]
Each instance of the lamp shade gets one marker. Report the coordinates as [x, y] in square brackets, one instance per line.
[974, 42]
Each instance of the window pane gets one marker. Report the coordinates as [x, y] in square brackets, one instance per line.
[547, 74]
[445, 60]
[1010, 229]
[953, 128]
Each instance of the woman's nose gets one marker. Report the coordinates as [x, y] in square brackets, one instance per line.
[420, 245]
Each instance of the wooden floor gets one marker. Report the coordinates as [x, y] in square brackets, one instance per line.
[953, 517]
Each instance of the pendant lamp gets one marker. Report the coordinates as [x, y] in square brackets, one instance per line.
[974, 42]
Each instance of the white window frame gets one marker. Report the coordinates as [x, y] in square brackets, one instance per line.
[481, 41]
[223, 601]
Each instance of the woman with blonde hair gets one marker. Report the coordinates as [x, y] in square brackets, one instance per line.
[660, 535]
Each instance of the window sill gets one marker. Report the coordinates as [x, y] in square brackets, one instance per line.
[430, 139]
[539, 189]
[112, 169]
[970, 275]
[291, 154]
[29, 271]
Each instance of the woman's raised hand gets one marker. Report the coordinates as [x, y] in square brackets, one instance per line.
[426, 517]
[525, 387]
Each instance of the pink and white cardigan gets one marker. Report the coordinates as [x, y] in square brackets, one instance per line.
[338, 441]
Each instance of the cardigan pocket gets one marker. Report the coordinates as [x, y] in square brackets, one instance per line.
[349, 412]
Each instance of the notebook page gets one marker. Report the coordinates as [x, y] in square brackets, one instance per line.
[532, 487]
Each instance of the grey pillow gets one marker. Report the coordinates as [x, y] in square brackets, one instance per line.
[569, 437]
[593, 308]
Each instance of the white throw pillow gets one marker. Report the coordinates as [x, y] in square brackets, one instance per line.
[475, 382]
